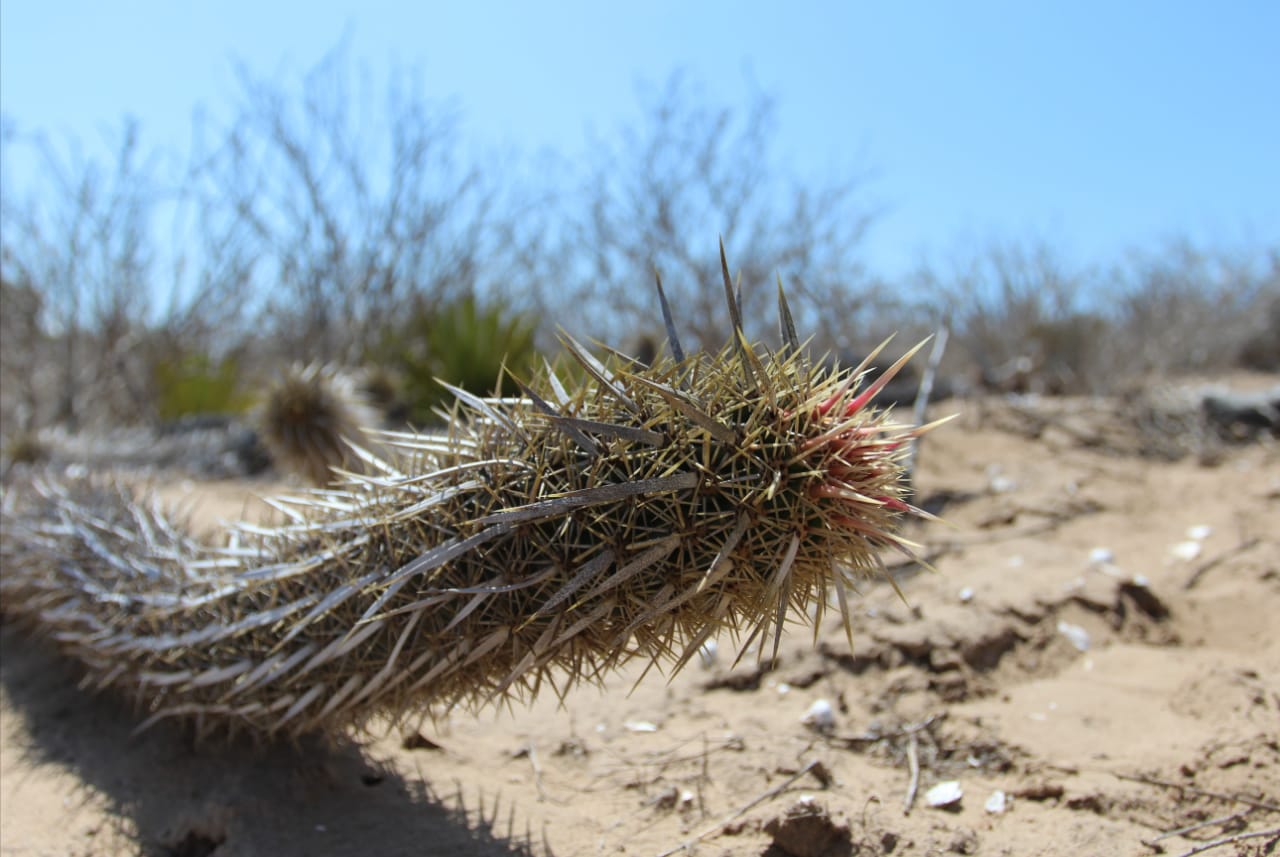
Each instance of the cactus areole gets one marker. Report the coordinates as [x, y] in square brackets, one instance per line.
[544, 541]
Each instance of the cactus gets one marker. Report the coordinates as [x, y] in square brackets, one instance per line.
[312, 421]
[547, 539]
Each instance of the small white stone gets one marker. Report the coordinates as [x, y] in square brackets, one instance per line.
[640, 726]
[1186, 551]
[945, 793]
[1002, 485]
[966, 594]
[1199, 532]
[783, 688]
[1102, 556]
[1078, 636]
[997, 803]
[820, 715]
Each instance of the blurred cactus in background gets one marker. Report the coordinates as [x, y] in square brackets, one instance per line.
[312, 420]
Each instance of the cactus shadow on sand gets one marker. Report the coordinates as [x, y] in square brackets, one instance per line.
[168, 797]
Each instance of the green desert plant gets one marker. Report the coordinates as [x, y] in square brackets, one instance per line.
[384, 389]
[312, 419]
[196, 383]
[545, 540]
[464, 343]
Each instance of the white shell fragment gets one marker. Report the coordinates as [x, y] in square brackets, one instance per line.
[640, 726]
[1200, 532]
[1101, 556]
[944, 794]
[820, 715]
[997, 482]
[1078, 636]
[1186, 551]
[1002, 485]
[997, 803]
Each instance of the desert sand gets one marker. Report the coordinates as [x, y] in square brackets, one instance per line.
[1094, 664]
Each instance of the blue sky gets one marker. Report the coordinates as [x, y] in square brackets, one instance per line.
[1097, 126]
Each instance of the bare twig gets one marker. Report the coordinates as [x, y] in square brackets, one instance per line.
[706, 775]
[909, 729]
[656, 185]
[742, 810]
[913, 764]
[911, 732]
[1152, 781]
[1191, 828]
[1205, 567]
[1231, 840]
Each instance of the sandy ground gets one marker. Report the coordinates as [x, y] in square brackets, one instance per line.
[1100, 645]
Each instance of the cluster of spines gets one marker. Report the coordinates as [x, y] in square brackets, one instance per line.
[315, 421]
